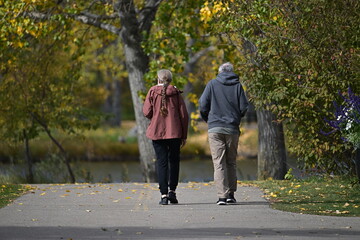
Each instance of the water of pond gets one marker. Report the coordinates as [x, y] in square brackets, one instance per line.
[190, 170]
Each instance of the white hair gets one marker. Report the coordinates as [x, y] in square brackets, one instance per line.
[226, 67]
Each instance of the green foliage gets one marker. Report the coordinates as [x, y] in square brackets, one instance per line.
[296, 56]
[289, 175]
[9, 192]
[177, 34]
[320, 196]
[39, 84]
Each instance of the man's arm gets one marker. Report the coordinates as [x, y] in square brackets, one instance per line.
[243, 102]
[205, 103]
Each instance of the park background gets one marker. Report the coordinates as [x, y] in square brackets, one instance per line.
[74, 75]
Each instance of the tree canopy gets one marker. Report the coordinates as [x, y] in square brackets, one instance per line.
[295, 56]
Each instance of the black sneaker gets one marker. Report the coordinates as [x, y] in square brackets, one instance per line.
[163, 201]
[231, 198]
[221, 201]
[172, 198]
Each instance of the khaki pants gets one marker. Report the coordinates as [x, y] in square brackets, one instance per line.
[223, 149]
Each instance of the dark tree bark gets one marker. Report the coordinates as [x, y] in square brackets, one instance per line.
[117, 103]
[112, 102]
[30, 176]
[357, 163]
[272, 152]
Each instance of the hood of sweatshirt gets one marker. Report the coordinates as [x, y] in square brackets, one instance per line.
[228, 78]
[170, 90]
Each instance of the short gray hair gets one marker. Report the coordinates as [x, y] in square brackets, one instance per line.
[226, 67]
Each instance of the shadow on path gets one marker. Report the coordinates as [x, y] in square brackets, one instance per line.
[48, 233]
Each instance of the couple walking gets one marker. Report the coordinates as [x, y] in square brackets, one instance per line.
[222, 105]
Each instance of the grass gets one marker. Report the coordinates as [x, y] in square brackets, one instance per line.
[9, 192]
[319, 196]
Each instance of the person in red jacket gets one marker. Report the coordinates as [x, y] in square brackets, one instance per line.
[166, 109]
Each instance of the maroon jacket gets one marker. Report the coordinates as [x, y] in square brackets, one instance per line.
[175, 124]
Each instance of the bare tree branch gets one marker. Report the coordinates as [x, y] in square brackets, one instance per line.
[86, 18]
[189, 66]
[97, 23]
[147, 14]
[100, 17]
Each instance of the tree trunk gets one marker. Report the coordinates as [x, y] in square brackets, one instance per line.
[272, 152]
[190, 106]
[117, 103]
[112, 102]
[357, 163]
[136, 64]
[30, 176]
[108, 101]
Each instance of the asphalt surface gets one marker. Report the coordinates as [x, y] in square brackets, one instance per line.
[131, 211]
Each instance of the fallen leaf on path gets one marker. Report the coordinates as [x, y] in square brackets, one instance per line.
[341, 212]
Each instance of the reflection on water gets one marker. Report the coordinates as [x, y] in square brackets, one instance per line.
[190, 170]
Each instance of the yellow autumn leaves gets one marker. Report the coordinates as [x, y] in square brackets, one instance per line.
[209, 10]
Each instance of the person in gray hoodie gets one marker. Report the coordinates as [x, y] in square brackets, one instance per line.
[222, 105]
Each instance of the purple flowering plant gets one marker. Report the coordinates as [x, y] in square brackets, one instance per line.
[348, 118]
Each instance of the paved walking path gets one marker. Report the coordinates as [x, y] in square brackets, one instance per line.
[131, 211]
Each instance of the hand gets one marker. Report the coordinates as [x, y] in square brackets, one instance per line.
[183, 142]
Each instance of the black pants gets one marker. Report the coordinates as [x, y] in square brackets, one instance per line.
[168, 163]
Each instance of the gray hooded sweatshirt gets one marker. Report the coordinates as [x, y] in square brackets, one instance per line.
[223, 102]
